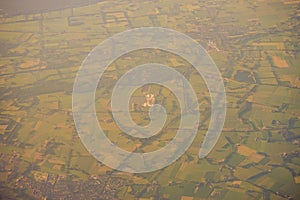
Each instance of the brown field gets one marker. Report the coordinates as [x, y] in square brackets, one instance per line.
[245, 151]
[3, 127]
[281, 63]
[290, 2]
[30, 63]
[250, 153]
[297, 179]
[186, 198]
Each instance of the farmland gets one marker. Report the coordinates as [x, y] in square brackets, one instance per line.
[256, 48]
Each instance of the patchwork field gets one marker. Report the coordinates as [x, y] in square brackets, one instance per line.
[254, 45]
